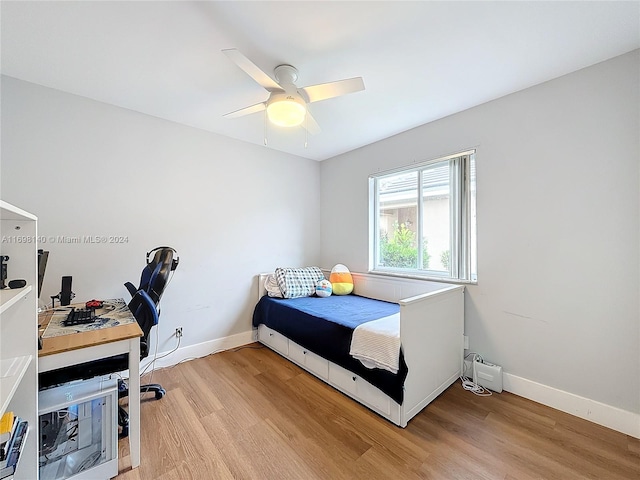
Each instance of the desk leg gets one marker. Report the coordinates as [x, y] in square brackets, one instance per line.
[134, 401]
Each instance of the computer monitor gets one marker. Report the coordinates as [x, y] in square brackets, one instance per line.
[43, 256]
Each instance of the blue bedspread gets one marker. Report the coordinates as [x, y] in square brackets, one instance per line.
[325, 326]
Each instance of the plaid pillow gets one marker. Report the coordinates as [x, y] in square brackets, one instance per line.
[298, 282]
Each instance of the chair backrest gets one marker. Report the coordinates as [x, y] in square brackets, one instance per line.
[163, 261]
[155, 275]
[144, 310]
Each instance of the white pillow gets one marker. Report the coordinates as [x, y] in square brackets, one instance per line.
[271, 286]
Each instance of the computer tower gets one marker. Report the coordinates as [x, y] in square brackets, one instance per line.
[78, 430]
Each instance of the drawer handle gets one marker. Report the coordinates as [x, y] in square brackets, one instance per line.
[354, 378]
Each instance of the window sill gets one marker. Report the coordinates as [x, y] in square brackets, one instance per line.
[415, 276]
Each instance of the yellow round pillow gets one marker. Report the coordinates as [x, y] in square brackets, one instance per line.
[341, 280]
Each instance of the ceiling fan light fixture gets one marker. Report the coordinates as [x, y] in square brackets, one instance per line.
[287, 104]
[286, 111]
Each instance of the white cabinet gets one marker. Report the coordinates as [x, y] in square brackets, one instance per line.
[19, 330]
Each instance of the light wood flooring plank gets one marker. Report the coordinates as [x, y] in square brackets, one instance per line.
[251, 414]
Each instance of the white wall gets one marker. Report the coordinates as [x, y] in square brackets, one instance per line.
[230, 209]
[558, 190]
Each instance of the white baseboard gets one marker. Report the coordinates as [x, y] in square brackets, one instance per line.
[612, 417]
[200, 350]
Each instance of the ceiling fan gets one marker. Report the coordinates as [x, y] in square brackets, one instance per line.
[287, 104]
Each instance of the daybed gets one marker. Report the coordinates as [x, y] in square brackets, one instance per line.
[431, 337]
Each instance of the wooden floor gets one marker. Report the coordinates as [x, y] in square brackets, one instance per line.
[250, 414]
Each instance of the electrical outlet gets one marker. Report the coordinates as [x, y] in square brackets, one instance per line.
[466, 342]
[178, 332]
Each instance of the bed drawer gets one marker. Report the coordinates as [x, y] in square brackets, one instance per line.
[359, 388]
[309, 360]
[371, 395]
[273, 339]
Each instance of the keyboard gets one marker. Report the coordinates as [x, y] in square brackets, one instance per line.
[79, 316]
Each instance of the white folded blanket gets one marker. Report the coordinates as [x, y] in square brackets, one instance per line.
[377, 343]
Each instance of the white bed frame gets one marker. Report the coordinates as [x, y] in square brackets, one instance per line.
[431, 333]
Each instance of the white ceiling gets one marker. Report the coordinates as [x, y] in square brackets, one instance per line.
[420, 61]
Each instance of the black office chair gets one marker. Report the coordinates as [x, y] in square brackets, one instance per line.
[153, 281]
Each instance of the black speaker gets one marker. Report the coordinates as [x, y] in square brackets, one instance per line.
[3, 270]
[66, 294]
[17, 283]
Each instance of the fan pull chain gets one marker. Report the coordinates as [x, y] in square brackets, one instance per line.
[306, 129]
[265, 128]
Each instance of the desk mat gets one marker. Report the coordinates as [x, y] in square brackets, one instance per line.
[113, 313]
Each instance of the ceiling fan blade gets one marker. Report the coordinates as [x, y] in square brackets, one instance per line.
[258, 107]
[310, 124]
[251, 69]
[323, 91]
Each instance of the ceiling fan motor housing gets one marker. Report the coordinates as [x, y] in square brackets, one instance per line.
[286, 75]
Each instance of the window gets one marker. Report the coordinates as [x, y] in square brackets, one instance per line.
[424, 219]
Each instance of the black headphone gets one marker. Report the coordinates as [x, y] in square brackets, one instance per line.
[174, 262]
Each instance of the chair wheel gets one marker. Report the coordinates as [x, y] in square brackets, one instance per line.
[160, 393]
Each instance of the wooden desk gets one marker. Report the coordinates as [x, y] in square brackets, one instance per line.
[67, 350]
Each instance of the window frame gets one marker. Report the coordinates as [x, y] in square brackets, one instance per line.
[461, 210]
